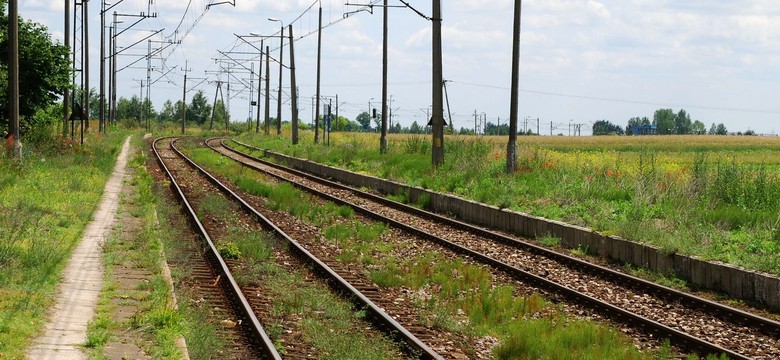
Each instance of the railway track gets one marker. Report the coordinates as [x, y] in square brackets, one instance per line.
[690, 322]
[352, 288]
[215, 284]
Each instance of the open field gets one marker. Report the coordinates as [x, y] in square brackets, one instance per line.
[716, 197]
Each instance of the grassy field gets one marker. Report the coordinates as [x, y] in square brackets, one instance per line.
[716, 197]
[45, 202]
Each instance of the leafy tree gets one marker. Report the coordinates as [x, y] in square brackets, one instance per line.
[698, 128]
[128, 109]
[168, 112]
[682, 122]
[713, 129]
[416, 128]
[364, 119]
[721, 130]
[397, 128]
[637, 121]
[604, 127]
[199, 109]
[663, 119]
[44, 68]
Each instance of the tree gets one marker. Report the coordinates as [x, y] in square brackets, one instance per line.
[129, 109]
[713, 129]
[168, 112]
[364, 119]
[698, 128]
[604, 127]
[199, 109]
[663, 119]
[682, 122]
[721, 130]
[416, 128]
[44, 68]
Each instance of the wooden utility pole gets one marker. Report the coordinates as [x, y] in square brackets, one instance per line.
[13, 76]
[293, 90]
[437, 121]
[383, 136]
[319, 67]
[511, 147]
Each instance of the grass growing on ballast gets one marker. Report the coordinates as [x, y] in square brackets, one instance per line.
[329, 323]
[45, 204]
[448, 293]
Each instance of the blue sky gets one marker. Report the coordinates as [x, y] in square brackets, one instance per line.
[582, 60]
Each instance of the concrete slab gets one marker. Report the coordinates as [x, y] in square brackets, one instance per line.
[66, 329]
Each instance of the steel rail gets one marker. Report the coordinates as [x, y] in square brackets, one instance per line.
[416, 345]
[269, 351]
[618, 314]
[728, 313]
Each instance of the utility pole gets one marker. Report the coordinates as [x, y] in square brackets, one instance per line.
[113, 71]
[251, 95]
[259, 86]
[511, 147]
[319, 67]
[551, 128]
[148, 85]
[279, 94]
[101, 121]
[537, 127]
[13, 76]
[65, 95]
[293, 89]
[85, 9]
[267, 90]
[475, 122]
[383, 136]
[437, 121]
[184, 97]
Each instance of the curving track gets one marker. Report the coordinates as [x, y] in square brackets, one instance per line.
[688, 321]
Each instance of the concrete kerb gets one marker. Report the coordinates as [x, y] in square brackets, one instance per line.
[737, 282]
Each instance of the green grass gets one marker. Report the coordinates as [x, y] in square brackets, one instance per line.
[717, 198]
[329, 324]
[45, 203]
[156, 323]
[459, 297]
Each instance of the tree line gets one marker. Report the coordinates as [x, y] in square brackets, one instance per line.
[666, 122]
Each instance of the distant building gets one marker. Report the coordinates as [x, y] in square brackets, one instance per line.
[644, 130]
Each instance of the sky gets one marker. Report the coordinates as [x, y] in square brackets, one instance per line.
[581, 60]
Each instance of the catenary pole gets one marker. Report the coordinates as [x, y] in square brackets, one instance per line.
[383, 136]
[85, 20]
[267, 91]
[66, 93]
[437, 121]
[13, 75]
[293, 90]
[511, 147]
[259, 86]
[279, 93]
[319, 67]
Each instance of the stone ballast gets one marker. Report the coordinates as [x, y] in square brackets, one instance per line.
[739, 283]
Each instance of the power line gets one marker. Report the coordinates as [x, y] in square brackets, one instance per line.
[626, 101]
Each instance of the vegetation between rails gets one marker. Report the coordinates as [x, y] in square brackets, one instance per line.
[325, 321]
[45, 202]
[450, 294]
[715, 197]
